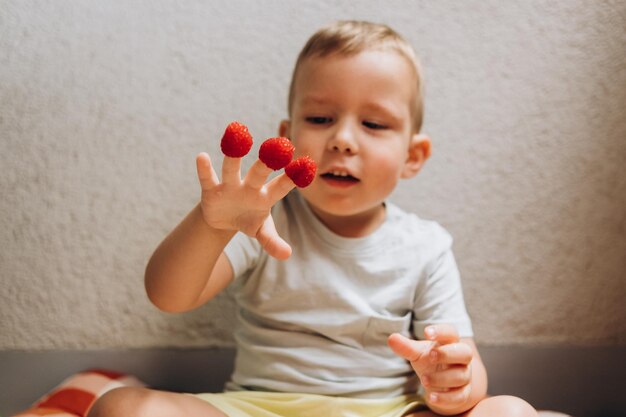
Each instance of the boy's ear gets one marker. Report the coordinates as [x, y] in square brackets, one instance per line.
[283, 129]
[419, 151]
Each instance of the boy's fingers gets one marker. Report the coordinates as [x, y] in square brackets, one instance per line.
[231, 170]
[257, 174]
[450, 396]
[454, 354]
[453, 377]
[271, 242]
[279, 187]
[442, 333]
[206, 174]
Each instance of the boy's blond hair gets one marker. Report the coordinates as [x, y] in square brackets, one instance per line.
[349, 37]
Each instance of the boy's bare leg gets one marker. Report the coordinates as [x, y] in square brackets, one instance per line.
[503, 405]
[142, 402]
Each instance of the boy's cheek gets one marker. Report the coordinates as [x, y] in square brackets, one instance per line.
[306, 144]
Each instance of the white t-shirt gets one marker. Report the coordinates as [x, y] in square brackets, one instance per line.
[319, 321]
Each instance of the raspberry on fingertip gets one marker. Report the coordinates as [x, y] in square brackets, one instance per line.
[301, 171]
[236, 141]
[276, 153]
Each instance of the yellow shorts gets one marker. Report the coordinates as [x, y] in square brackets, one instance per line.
[273, 404]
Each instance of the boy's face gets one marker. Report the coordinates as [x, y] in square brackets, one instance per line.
[353, 116]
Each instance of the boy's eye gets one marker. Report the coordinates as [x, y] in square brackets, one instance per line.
[372, 125]
[318, 120]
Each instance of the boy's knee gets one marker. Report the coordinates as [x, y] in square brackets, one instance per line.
[505, 405]
[125, 401]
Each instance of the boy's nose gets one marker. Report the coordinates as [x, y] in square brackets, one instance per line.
[344, 139]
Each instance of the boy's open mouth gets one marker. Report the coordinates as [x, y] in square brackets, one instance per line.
[339, 176]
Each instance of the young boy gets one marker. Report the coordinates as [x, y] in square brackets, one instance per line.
[346, 305]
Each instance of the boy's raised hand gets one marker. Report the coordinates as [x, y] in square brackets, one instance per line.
[244, 205]
[442, 363]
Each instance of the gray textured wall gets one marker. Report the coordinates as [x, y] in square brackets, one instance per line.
[104, 105]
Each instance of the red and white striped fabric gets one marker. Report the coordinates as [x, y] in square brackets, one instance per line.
[75, 395]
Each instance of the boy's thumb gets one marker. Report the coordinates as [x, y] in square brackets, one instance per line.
[409, 349]
[271, 242]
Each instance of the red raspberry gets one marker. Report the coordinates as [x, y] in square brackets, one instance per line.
[276, 153]
[301, 171]
[236, 141]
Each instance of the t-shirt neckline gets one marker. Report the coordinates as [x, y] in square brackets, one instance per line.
[346, 244]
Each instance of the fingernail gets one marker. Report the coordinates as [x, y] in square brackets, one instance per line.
[430, 332]
[433, 355]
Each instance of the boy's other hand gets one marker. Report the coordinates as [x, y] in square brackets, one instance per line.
[442, 363]
[243, 204]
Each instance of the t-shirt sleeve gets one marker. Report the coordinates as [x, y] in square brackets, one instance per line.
[243, 252]
[439, 299]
